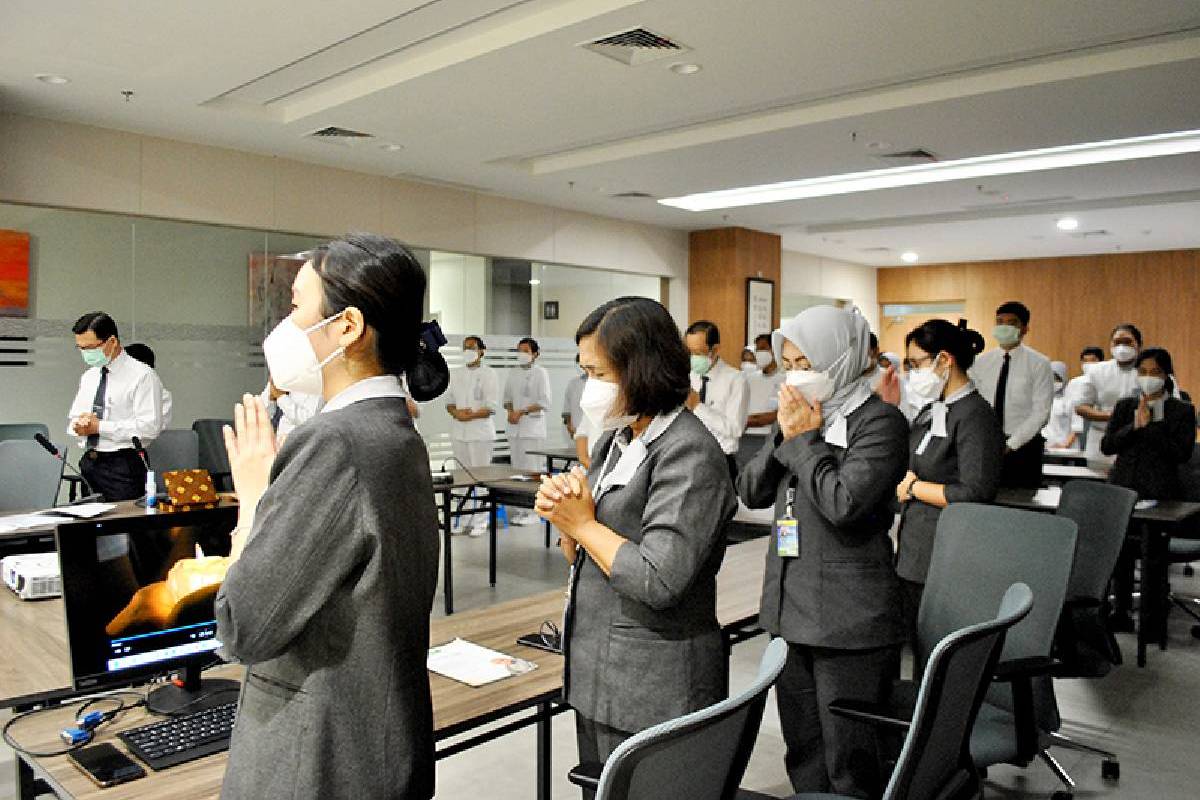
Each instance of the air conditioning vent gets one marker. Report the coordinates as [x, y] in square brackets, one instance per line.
[633, 196]
[917, 156]
[635, 46]
[342, 136]
[1096, 234]
[874, 249]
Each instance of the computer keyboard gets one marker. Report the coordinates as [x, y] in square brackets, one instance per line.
[179, 739]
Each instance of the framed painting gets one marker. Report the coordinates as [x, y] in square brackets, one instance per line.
[14, 274]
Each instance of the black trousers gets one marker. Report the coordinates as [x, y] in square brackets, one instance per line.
[596, 742]
[826, 753]
[120, 475]
[910, 599]
[1023, 467]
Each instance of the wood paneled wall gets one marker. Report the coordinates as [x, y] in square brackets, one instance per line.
[719, 262]
[1074, 302]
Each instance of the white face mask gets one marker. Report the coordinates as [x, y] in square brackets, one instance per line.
[1150, 384]
[763, 358]
[291, 359]
[749, 366]
[817, 387]
[1124, 353]
[473, 357]
[597, 403]
[524, 359]
[1007, 335]
[925, 385]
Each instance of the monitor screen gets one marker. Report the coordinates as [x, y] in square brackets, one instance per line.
[138, 593]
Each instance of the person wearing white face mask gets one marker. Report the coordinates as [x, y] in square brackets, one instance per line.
[526, 398]
[830, 590]
[1106, 383]
[956, 445]
[643, 531]
[1058, 432]
[334, 562]
[1018, 382]
[1151, 435]
[472, 401]
[762, 397]
[719, 396]
[1075, 394]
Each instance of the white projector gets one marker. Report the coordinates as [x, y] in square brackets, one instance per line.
[34, 576]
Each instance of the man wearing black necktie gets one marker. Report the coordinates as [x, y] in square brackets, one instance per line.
[119, 398]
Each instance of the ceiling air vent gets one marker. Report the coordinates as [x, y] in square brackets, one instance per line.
[342, 136]
[633, 196]
[1096, 234]
[874, 249]
[635, 46]
[903, 157]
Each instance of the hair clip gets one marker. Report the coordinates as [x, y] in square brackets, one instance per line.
[432, 336]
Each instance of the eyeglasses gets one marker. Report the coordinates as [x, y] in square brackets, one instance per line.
[917, 363]
[551, 635]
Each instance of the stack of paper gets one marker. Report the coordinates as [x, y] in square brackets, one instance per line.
[473, 665]
[1048, 497]
[20, 522]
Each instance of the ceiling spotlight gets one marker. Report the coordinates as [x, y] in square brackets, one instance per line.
[534, 282]
[1067, 224]
[685, 69]
[56, 80]
[391, 148]
[909, 257]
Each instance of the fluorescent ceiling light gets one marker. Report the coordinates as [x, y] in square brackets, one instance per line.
[1072, 155]
[1067, 224]
[909, 257]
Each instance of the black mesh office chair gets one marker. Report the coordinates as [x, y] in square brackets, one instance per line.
[173, 449]
[1186, 549]
[212, 451]
[21, 431]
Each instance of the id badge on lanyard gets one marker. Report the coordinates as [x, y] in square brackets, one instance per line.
[787, 530]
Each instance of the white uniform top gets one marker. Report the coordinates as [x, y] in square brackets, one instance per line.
[474, 389]
[763, 396]
[527, 387]
[723, 411]
[1105, 383]
[1059, 428]
[571, 398]
[133, 398]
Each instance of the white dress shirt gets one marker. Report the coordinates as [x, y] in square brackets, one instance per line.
[1103, 385]
[366, 389]
[571, 397]
[1030, 393]
[528, 386]
[723, 411]
[762, 396]
[1061, 425]
[474, 389]
[295, 408]
[133, 404]
[167, 403]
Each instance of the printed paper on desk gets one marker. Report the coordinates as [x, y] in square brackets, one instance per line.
[1048, 497]
[83, 510]
[20, 522]
[468, 663]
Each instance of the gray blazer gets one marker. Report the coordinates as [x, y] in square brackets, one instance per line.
[644, 646]
[842, 591]
[329, 609]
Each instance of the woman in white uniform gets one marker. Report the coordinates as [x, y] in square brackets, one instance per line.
[473, 399]
[1058, 432]
[1105, 384]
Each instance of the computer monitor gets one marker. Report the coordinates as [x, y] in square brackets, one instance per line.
[138, 594]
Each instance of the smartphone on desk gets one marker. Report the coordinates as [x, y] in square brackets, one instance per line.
[106, 765]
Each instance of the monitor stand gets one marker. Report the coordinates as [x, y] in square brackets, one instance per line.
[190, 693]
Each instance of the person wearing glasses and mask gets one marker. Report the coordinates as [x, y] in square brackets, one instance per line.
[472, 402]
[763, 379]
[333, 564]
[1104, 385]
[719, 396]
[643, 532]
[956, 447]
[828, 469]
[1150, 435]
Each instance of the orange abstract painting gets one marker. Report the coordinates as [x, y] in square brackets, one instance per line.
[14, 274]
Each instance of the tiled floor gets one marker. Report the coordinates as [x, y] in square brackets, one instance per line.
[1150, 717]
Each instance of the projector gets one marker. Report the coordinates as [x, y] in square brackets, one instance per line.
[32, 577]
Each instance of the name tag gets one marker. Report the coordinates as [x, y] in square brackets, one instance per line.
[924, 443]
[787, 538]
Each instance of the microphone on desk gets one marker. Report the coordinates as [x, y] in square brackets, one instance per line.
[49, 447]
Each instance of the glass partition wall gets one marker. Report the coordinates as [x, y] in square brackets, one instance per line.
[200, 296]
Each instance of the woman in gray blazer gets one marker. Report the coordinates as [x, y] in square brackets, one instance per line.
[335, 558]
[829, 469]
[643, 530]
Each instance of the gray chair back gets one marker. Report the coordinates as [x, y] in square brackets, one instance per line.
[29, 476]
[1102, 512]
[212, 451]
[173, 449]
[936, 758]
[13, 431]
[699, 756]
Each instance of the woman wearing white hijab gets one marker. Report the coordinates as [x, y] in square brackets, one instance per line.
[829, 468]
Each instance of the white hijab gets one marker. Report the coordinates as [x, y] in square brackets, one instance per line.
[837, 342]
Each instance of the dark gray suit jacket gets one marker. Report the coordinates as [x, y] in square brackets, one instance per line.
[842, 591]
[644, 646]
[329, 609]
[1149, 458]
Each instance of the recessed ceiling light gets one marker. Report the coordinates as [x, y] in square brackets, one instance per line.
[56, 80]
[1048, 158]
[685, 69]
[909, 257]
[534, 282]
[391, 148]
[1067, 224]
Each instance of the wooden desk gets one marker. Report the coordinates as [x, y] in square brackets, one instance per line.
[1154, 527]
[457, 709]
[567, 455]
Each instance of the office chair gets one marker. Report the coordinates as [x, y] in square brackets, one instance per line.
[699, 756]
[935, 761]
[173, 449]
[29, 476]
[1185, 550]
[212, 451]
[22, 431]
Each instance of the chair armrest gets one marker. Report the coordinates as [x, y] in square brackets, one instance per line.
[586, 775]
[871, 713]
[1025, 668]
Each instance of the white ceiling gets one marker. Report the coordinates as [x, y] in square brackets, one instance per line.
[495, 94]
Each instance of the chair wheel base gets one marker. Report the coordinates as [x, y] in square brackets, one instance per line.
[1062, 795]
[1110, 770]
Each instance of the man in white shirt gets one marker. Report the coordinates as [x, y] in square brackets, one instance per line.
[472, 399]
[289, 410]
[144, 354]
[572, 415]
[763, 379]
[1019, 384]
[719, 397]
[119, 398]
[526, 398]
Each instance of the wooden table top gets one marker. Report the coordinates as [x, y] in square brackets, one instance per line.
[1172, 512]
[1073, 472]
[124, 509]
[557, 452]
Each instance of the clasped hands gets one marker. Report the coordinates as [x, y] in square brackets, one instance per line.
[565, 501]
[87, 424]
[796, 415]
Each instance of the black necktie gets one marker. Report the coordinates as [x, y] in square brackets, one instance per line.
[276, 416]
[703, 387]
[98, 406]
[1001, 390]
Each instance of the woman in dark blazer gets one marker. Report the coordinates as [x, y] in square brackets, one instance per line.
[1152, 435]
[643, 531]
[956, 446]
[829, 468]
[335, 558]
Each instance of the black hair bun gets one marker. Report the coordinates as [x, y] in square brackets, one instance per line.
[429, 376]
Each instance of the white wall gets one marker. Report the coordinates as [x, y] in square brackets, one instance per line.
[804, 273]
[458, 291]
